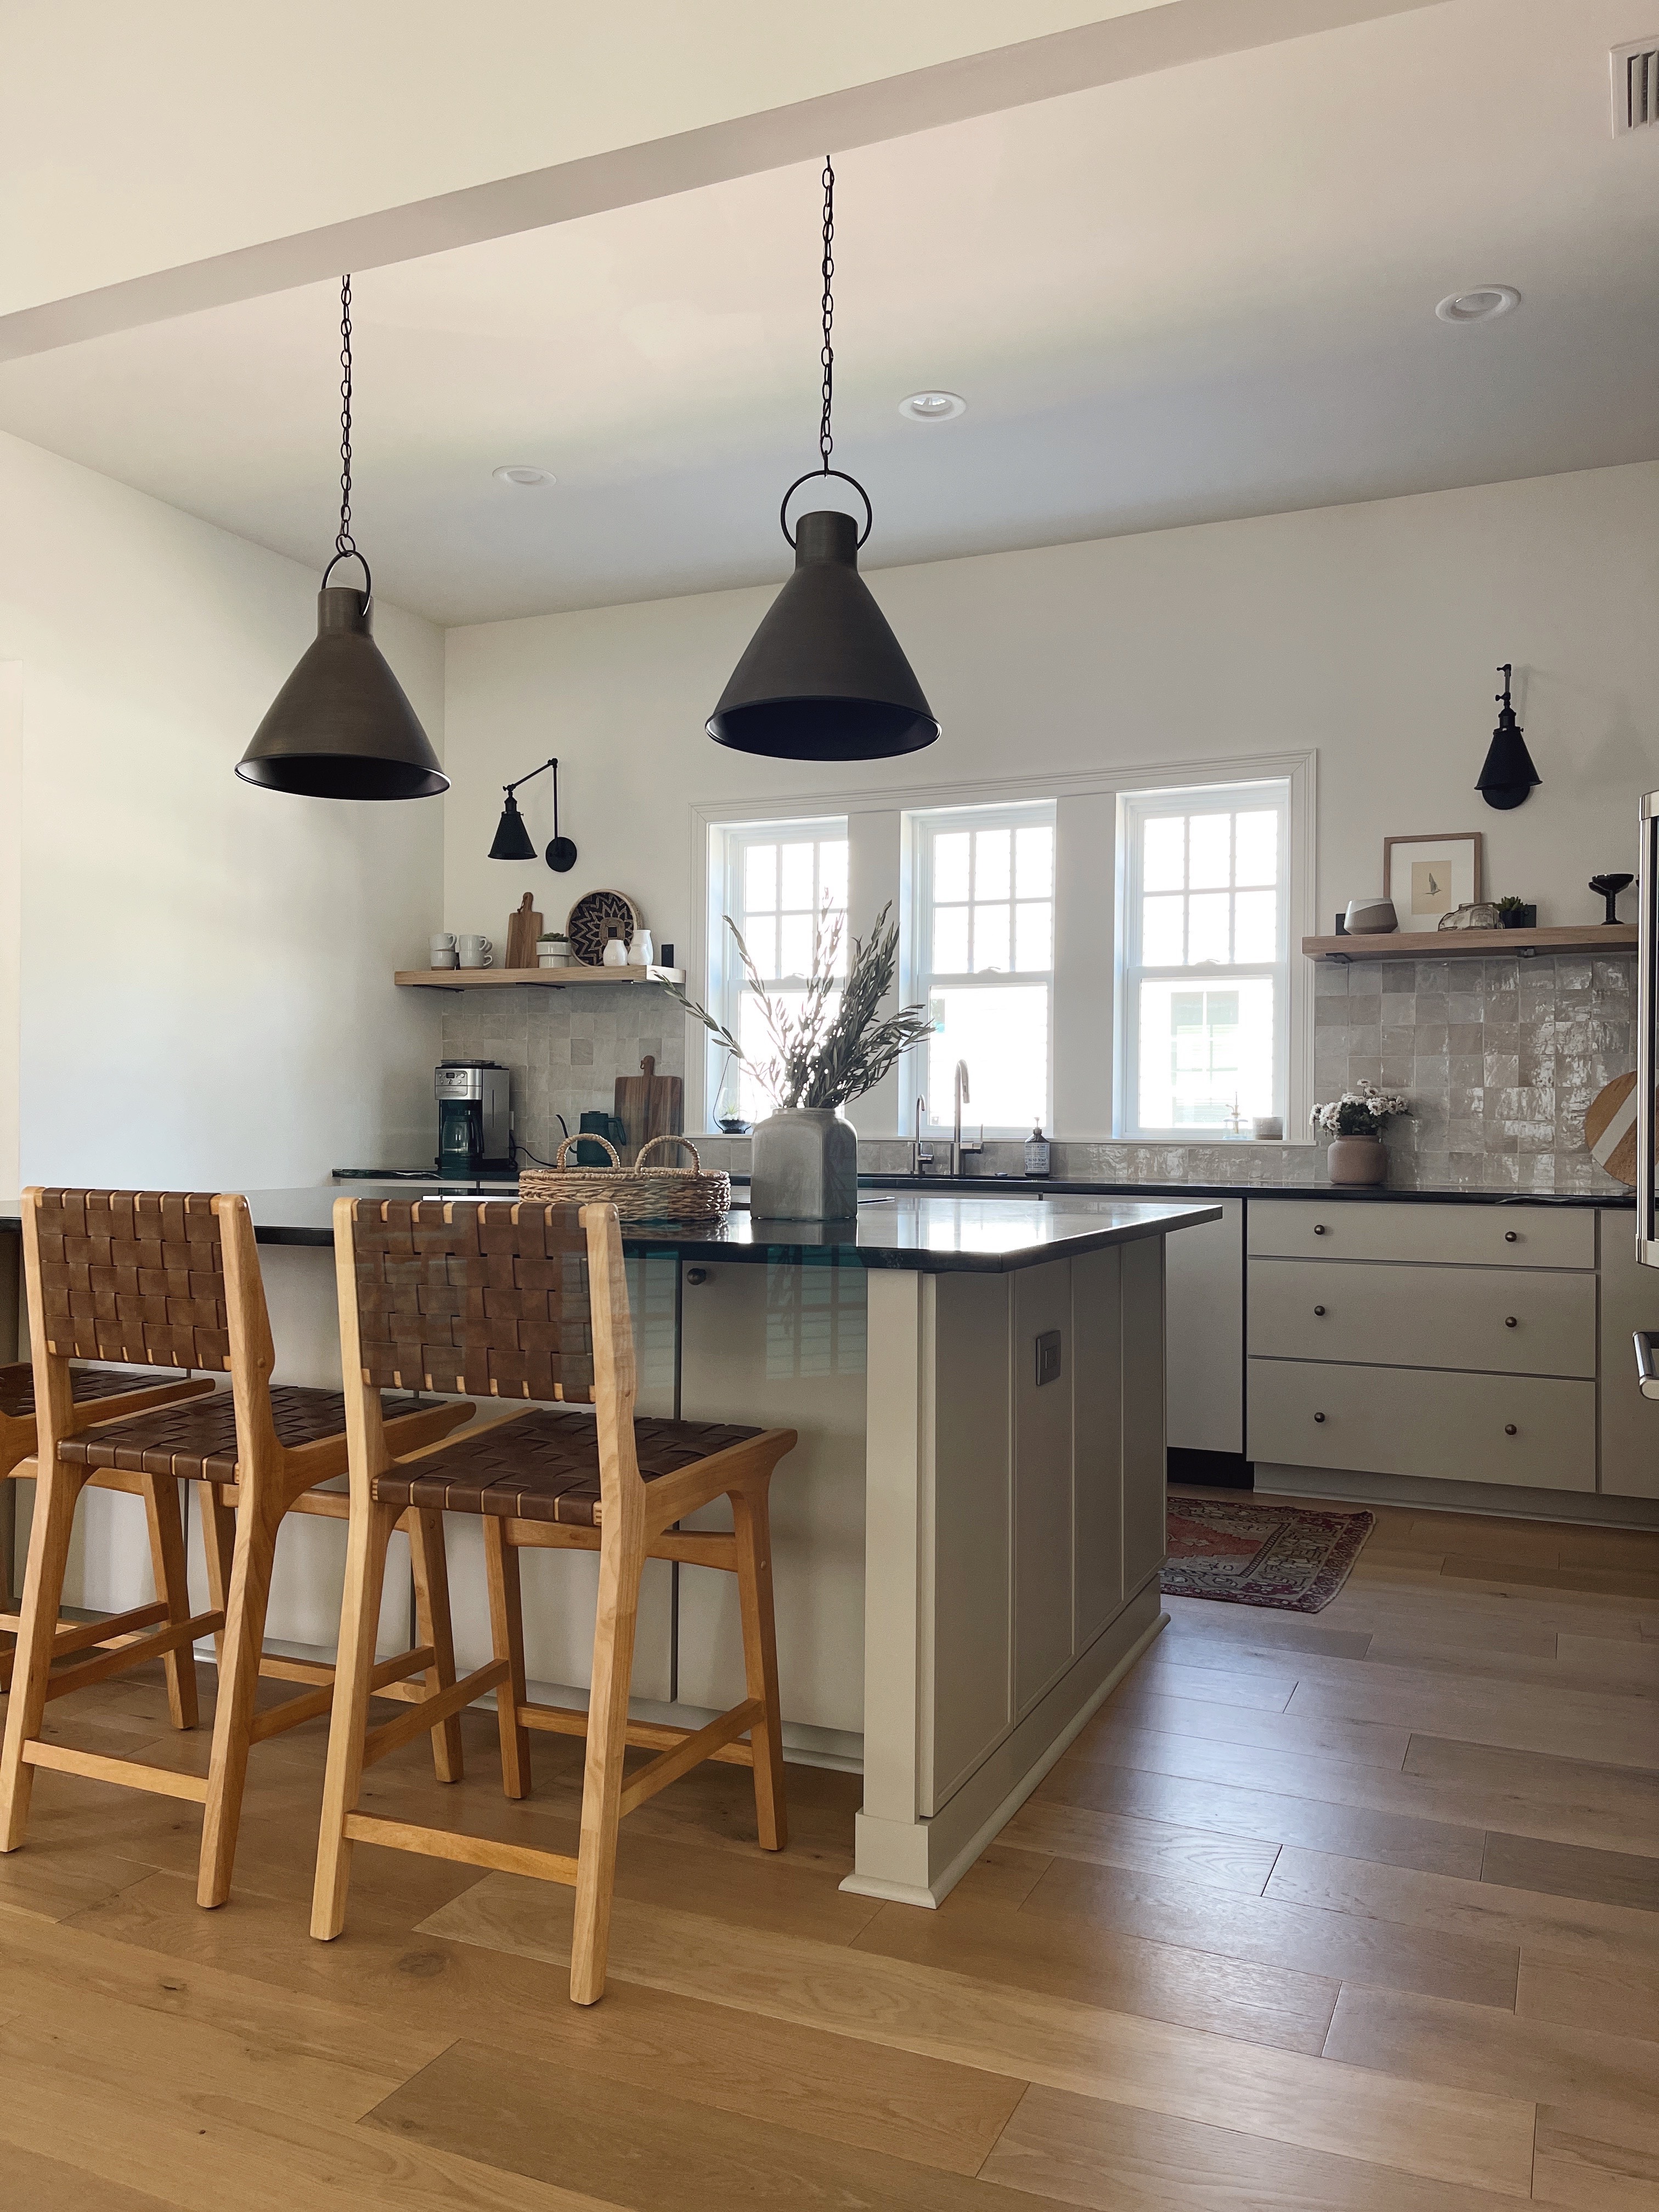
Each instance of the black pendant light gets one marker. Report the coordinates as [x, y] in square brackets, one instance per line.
[513, 841]
[1508, 775]
[824, 679]
[342, 726]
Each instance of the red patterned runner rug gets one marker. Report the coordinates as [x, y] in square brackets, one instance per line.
[1289, 1557]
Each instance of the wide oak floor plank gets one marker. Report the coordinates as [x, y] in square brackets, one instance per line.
[1108, 2157]
[1356, 1830]
[1570, 1871]
[1095, 1964]
[1548, 1713]
[1213, 1857]
[1595, 2168]
[34, 2183]
[497, 2108]
[1572, 1928]
[917, 2107]
[1620, 1999]
[1335, 1945]
[1145, 1704]
[1263, 1691]
[1443, 2132]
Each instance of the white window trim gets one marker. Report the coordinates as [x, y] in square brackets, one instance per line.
[874, 827]
[915, 981]
[1133, 808]
[725, 841]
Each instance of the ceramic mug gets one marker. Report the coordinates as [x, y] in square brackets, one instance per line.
[475, 951]
[442, 956]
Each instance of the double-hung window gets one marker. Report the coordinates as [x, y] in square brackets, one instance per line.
[1204, 962]
[982, 962]
[774, 880]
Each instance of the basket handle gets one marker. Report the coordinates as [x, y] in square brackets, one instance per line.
[652, 1144]
[586, 1137]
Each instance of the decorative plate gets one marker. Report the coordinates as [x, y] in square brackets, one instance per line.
[597, 916]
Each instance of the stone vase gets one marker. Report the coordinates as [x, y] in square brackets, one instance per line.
[804, 1166]
[1356, 1161]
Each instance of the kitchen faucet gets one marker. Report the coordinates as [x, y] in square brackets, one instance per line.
[921, 1153]
[962, 1096]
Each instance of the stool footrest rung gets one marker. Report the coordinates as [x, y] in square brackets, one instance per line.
[642, 1736]
[276, 1719]
[81, 1635]
[467, 1851]
[129, 1773]
[690, 1753]
[430, 1711]
[135, 1653]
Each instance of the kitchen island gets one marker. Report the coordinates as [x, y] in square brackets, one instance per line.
[967, 1538]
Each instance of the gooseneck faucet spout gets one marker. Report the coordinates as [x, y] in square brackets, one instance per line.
[962, 1096]
[921, 1153]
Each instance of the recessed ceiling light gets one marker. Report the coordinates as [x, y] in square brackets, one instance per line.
[1478, 305]
[523, 475]
[932, 406]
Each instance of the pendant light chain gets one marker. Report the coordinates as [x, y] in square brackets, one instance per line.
[344, 543]
[826, 439]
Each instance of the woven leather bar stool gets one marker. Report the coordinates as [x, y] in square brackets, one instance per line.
[174, 1278]
[528, 1301]
[97, 1393]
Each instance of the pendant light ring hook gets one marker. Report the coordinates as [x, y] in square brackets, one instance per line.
[817, 476]
[350, 554]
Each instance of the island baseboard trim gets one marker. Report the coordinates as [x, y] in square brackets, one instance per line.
[936, 1835]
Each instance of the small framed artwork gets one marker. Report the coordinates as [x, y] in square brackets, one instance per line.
[1427, 876]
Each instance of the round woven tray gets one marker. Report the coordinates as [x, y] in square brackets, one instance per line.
[639, 1193]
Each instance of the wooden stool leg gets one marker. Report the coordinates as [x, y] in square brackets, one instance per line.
[370, 1531]
[219, 1545]
[752, 1521]
[57, 1489]
[621, 1561]
[507, 1642]
[166, 1554]
[240, 1647]
[430, 1563]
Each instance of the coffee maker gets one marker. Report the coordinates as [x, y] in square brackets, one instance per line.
[475, 1121]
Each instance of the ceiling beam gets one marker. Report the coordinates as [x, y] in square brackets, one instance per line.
[1164, 37]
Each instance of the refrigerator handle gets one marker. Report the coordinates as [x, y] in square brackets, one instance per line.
[1647, 1247]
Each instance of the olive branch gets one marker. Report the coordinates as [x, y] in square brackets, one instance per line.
[821, 1056]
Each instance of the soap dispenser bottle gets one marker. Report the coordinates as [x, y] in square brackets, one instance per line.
[1038, 1151]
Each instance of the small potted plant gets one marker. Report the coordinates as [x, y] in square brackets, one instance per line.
[830, 1048]
[553, 949]
[1511, 914]
[1354, 1122]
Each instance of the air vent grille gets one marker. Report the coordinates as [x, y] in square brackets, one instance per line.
[1635, 87]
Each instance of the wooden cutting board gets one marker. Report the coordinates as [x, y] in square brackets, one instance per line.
[651, 1105]
[1610, 1127]
[524, 927]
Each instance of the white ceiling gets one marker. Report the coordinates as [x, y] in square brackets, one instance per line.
[1202, 293]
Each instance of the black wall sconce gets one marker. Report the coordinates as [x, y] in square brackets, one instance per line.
[1508, 775]
[513, 841]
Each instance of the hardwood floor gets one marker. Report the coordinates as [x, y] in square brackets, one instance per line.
[1356, 1913]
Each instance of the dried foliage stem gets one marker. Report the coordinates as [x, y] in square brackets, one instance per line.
[825, 1054]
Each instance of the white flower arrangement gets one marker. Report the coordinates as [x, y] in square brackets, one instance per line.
[1360, 1112]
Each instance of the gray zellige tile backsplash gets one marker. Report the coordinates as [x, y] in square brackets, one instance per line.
[565, 1048]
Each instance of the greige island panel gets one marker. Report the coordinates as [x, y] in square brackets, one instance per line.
[967, 1539]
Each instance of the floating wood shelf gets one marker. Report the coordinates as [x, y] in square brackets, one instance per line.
[543, 979]
[1466, 944]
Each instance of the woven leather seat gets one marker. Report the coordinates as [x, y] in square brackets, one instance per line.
[197, 1440]
[87, 1384]
[545, 1466]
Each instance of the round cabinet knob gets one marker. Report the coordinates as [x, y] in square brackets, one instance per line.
[1509, 1429]
[1319, 1311]
[696, 1274]
[1509, 1321]
[1511, 1236]
[1319, 1417]
[1319, 1229]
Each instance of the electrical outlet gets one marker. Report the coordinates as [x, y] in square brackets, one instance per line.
[1048, 1357]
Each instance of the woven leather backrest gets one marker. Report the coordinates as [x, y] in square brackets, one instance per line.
[489, 1300]
[136, 1276]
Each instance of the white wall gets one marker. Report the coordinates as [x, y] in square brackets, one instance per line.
[1368, 632]
[205, 968]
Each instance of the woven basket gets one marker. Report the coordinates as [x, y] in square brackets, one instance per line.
[639, 1193]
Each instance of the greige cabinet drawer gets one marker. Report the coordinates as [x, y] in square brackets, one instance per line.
[1509, 1320]
[1522, 1429]
[1473, 1235]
